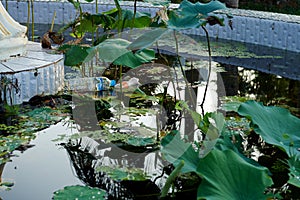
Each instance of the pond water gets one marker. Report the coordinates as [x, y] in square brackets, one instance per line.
[268, 75]
[40, 170]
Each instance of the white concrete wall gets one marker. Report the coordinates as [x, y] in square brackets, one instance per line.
[269, 29]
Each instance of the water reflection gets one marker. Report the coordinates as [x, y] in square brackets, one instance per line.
[264, 87]
[41, 170]
[88, 156]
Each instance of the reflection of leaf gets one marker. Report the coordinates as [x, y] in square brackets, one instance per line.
[227, 176]
[79, 192]
[275, 125]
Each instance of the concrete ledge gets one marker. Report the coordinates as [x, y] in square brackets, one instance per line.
[37, 72]
[255, 27]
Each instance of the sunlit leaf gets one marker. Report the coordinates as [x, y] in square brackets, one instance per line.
[79, 192]
[111, 49]
[276, 125]
[147, 39]
[227, 176]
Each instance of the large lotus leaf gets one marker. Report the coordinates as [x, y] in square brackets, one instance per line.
[147, 39]
[134, 60]
[75, 55]
[227, 176]
[141, 19]
[79, 192]
[175, 150]
[275, 125]
[294, 167]
[178, 22]
[111, 49]
[191, 15]
[188, 8]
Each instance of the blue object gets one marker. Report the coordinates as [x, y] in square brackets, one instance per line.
[112, 83]
[104, 83]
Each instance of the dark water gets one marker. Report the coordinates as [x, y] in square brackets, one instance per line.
[40, 170]
[272, 76]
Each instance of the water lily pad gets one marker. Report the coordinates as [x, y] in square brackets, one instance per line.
[120, 174]
[79, 192]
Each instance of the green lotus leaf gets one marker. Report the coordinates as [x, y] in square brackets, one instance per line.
[227, 176]
[191, 15]
[75, 55]
[294, 167]
[134, 60]
[147, 39]
[141, 20]
[111, 49]
[79, 192]
[277, 126]
[175, 150]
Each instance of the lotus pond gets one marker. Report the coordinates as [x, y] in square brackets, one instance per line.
[188, 117]
[76, 146]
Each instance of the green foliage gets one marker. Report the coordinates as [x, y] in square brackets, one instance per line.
[271, 124]
[27, 123]
[191, 15]
[79, 192]
[227, 176]
[294, 167]
[121, 174]
[171, 179]
[75, 55]
[175, 150]
[147, 39]
[225, 173]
